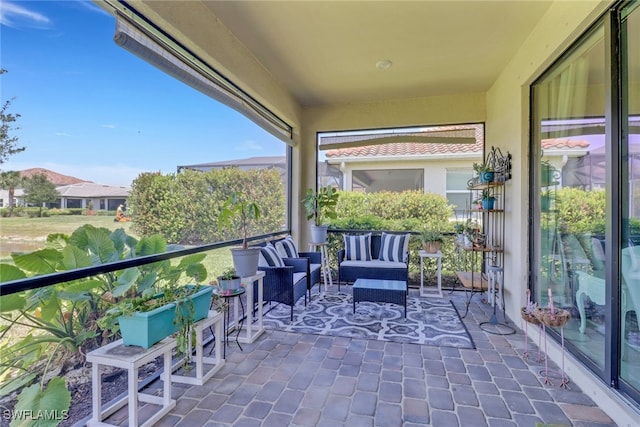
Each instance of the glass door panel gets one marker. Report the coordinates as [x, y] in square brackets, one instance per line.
[630, 254]
[569, 106]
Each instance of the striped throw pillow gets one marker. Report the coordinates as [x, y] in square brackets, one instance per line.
[394, 247]
[269, 257]
[286, 248]
[357, 248]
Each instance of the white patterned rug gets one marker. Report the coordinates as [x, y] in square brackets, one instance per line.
[429, 321]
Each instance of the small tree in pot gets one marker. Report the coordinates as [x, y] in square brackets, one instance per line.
[245, 259]
[320, 206]
[431, 240]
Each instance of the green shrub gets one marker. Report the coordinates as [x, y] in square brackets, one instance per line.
[59, 212]
[184, 208]
[409, 211]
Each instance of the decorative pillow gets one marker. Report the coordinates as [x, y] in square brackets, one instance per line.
[358, 248]
[394, 247]
[269, 257]
[286, 248]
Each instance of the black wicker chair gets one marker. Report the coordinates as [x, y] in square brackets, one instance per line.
[286, 284]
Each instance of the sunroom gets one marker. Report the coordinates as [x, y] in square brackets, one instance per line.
[543, 77]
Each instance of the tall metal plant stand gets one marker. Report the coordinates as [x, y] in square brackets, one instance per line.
[530, 318]
[495, 278]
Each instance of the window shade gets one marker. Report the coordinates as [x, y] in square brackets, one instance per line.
[176, 61]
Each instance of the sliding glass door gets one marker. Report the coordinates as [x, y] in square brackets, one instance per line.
[585, 196]
[630, 253]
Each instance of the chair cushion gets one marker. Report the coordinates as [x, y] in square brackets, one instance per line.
[394, 247]
[269, 257]
[373, 264]
[298, 277]
[287, 248]
[358, 247]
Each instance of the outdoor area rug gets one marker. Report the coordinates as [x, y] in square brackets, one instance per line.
[430, 321]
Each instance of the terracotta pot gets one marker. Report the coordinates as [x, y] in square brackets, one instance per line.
[431, 247]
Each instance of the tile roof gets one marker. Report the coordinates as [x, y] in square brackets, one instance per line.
[559, 143]
[53, 177]
[405, 149]
[421, 146]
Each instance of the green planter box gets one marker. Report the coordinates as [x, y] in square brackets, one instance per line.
[144, 329]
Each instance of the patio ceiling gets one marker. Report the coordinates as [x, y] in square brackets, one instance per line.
[325, 53]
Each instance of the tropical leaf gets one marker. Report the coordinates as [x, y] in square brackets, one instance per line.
[126, 280]
[74, 257]
[10, 272]
[197, 271]
[119, 239]
[188, 260]
[147, 282]
[55, 399]
[11, 302]
[151, 245]
[9, 386]
[97, 242]
[83, 285]
[43, 261]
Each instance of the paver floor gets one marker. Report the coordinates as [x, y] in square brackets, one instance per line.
[289, 379]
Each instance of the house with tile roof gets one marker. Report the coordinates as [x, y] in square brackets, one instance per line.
[437, 160]
[74, 192]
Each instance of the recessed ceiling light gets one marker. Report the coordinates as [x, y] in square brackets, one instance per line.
[385, 64]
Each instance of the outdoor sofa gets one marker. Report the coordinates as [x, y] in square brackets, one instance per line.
[387, 257]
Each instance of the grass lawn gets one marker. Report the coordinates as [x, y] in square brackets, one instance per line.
[29, 234]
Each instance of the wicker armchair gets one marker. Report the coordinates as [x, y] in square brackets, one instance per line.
[286, 284]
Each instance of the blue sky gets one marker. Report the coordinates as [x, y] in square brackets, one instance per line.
[92, 110]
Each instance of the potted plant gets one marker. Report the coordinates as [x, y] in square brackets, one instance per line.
[229, 280]
[144, 321]
[484, 171]
[431, 240]
[245, 259]
[488, 199]
[320, 206]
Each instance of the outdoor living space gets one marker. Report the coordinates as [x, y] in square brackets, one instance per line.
[306, 379]
[508, 131]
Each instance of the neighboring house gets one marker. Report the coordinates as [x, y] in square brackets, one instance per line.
[75, 192]
[437, 160]
[89, 194]
[440, 161]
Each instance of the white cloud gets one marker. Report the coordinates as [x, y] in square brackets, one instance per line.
[13, 15]
[62, 134]
[109, 126]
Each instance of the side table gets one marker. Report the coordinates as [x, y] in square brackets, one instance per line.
[130, 358]
[324, 263]
[214, 319]
[438, 255]
[253, 331]
[237, 326]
